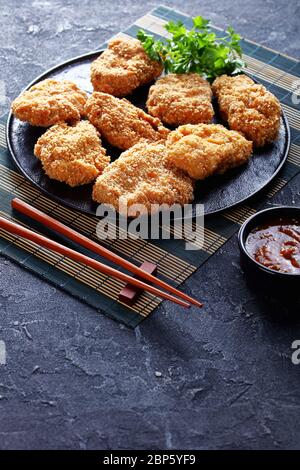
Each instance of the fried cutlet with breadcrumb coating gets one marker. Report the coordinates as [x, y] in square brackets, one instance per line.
[123, 67]
[72, 154]
[248, 108]
[205, 149]
[178, 99]
[142, 175]
[50, 102]
[121, 123]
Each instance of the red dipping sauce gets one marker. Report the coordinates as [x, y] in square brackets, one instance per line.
[276, 245]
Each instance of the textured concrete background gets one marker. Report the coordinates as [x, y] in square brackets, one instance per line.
[75, 379]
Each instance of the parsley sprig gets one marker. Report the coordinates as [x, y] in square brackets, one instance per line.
[198, 50]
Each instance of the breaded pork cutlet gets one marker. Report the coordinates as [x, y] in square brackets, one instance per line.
[50, 102]
[249, 108]
[123, 67]
[205, 149]
[142, 175]
[121, 123]
[72, 154]
[181, 99]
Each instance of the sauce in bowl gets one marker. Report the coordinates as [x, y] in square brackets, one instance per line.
[276, 245]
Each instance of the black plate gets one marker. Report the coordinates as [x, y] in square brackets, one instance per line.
[216, 193]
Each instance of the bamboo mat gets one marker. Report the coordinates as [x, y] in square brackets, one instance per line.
[175, 264]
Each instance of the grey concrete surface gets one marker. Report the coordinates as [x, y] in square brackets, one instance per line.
[77, 380]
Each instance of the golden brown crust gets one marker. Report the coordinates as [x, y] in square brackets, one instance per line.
[204, 149]
[181, 99]
[121, 123]
[72, 154]
[249, 108]
[123, 67]
[50, 102]
[142, 175]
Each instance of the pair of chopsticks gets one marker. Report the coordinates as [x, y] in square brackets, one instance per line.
[71, 234]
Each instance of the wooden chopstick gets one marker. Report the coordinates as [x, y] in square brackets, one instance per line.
[17, 229]
[59, 227]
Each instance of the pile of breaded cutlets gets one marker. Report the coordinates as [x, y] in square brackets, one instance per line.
[164, 151]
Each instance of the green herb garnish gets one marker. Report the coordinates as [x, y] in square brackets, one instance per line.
[196, 51]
